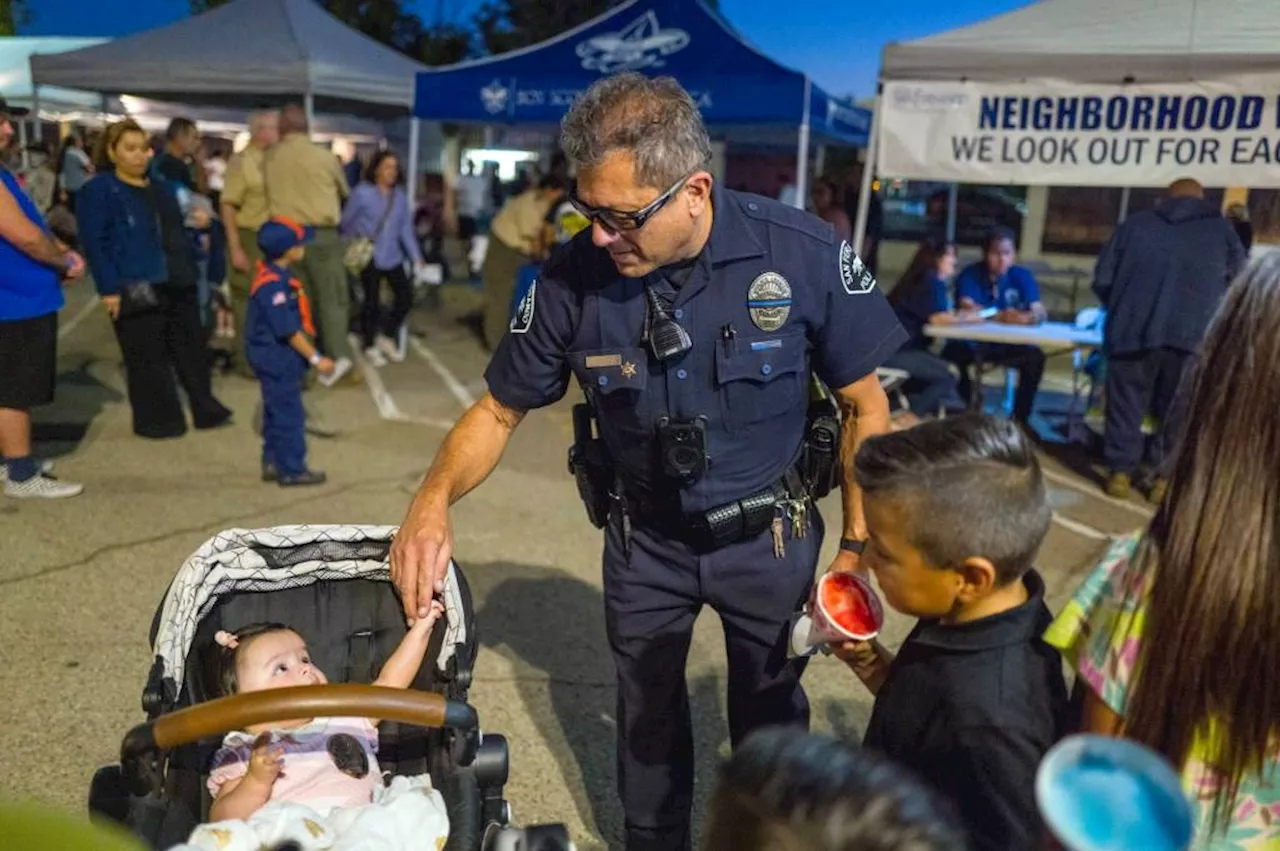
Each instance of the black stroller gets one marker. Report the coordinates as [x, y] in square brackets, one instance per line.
[332, 583]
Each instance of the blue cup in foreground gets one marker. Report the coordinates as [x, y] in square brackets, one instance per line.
[1098, 793]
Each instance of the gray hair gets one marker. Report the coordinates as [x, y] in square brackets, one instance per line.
[654, 119]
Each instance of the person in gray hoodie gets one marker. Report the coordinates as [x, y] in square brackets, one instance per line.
[1160, 278]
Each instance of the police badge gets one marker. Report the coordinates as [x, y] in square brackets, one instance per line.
[856, 278]
[769, 301]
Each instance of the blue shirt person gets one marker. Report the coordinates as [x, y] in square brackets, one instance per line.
[695, 318]
[922, 297]
[279, 343]
[994, 282]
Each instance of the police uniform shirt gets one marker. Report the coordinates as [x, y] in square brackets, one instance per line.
[973, 708]
[275, 315]
[773, 294]
[1016, 290]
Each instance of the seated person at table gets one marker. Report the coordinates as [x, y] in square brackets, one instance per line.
[919, 299]
[995, 282]
[956, 510]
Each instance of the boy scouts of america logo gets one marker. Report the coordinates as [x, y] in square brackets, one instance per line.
[857, 279]
[769, 301]
[495, 97]
[523, 320]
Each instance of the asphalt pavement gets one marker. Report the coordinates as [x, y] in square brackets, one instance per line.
[80, 579]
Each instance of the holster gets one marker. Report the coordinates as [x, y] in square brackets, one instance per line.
[820, 456]
[591, 467]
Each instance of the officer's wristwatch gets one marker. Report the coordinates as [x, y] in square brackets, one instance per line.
[853, 545]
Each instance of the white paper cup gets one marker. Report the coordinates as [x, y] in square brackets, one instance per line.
[825, 629]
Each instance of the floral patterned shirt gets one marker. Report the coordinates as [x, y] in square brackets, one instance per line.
[1099, 633]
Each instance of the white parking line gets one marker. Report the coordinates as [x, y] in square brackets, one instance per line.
[1092, 491]
[1080, 528]
[387, 407]
[80, 316]
[456, 387]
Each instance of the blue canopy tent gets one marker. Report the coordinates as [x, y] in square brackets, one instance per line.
[734, 85]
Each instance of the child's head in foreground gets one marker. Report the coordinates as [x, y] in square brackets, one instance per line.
[262, 656]
[283, 241]
[787, 790]
[956, 510]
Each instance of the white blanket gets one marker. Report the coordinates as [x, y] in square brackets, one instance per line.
[408, 815]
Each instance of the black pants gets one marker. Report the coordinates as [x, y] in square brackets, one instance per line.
[931, 387]
[1138, 384]
[372, 318]
[1027, 360]
[653, 594]
[157, 344]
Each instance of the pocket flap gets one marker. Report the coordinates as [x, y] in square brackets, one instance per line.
[761, 358]
[607, 370]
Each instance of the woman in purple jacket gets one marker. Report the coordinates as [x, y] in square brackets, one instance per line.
[378, 209]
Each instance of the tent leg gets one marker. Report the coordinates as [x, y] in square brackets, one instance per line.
[309, 107]
[412, 188]
[868, 168]
[953, 198]
[1124, 205]
[802, 152]
[22, 143]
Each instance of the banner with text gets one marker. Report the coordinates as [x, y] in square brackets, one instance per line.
[1067, 134]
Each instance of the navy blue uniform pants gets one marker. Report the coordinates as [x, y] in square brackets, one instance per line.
[652, 597]
[1138, 384]
[284, 440]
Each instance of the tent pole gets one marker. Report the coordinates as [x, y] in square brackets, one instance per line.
[35, 112]
[309, 107]
[953, 198]
[868, 167]
[22, 143]
[802, 151]
[1124, 205]
[412, 188]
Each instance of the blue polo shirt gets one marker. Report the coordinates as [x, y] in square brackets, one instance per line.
[915, 308]
[28, 288]
[1016, 290]
[774, 295]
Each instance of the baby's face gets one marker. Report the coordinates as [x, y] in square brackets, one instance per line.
[276, 660]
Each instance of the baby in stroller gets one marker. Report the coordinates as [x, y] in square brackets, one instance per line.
[331, 760]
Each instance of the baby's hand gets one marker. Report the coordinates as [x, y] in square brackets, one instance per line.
[859, 655]
[425, 624]
[266, 760]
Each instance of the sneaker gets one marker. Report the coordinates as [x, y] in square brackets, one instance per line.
[307, 477]
[1119, 485]
[1159, 488]
[374, 356]
[46, 468]
[390, 348]
[340, 369]
[41, 486]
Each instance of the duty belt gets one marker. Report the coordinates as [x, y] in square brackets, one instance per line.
[739, 520]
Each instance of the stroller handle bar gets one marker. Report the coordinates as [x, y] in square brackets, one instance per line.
[425, 709]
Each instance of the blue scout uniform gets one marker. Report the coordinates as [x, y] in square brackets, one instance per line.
[1017, 289]
[278, 309]
[773, 295]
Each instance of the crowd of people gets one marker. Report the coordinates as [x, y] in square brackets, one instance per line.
[1170, 635]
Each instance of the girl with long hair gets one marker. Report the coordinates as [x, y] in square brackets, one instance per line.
[1176, 633]
[920, 298]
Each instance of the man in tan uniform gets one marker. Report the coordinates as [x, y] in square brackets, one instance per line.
[305, 183]
[244, 209]
[515, 238]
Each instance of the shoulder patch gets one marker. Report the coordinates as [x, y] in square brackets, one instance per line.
[523, 319]
[856, 278]
[779, 214]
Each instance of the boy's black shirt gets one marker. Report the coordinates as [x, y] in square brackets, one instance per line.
[972, 708]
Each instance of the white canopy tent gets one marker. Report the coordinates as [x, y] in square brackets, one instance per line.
[1135, 82]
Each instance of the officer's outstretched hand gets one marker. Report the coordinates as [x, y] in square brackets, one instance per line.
[420, 554]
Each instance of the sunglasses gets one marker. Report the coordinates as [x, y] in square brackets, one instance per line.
[614, 221]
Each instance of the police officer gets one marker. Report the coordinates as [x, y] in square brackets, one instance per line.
[693, 317]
